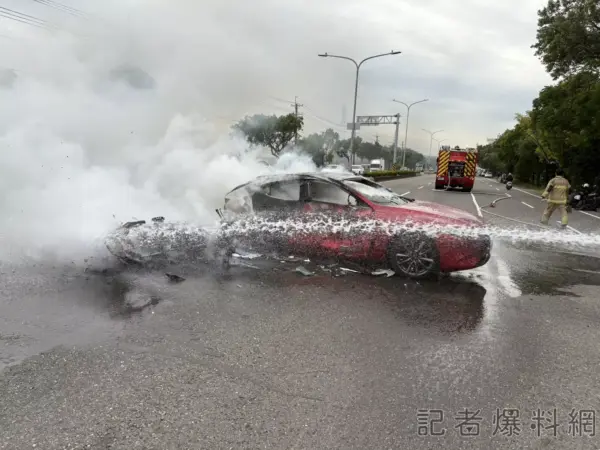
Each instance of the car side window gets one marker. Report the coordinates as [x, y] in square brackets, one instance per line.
[285, 190]
[322, 192]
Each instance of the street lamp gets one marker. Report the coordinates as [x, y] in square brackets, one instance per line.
[406, 129]
[431, 134]
[439, 142]
[326, 55]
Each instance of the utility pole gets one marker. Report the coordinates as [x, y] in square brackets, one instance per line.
[296, 105]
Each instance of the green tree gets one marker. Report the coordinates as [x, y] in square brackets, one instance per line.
[568, 37]
[342, 148]
[370, 150]
[412, 157]
[273, 132]
[321, 146]
[568, 115]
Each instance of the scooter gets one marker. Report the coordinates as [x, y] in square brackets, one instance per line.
[584, 202]
[508, 185]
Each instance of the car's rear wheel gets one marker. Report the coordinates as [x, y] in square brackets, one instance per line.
[414, 255]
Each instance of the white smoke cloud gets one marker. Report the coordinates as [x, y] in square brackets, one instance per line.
[82, 152]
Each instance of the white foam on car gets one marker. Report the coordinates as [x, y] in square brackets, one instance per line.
[151, 236]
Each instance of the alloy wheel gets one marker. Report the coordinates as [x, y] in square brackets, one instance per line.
[415, 258]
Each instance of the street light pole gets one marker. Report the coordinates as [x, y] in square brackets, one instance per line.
[358, 65]
[431, 134]
[439, 142]
[406, 128]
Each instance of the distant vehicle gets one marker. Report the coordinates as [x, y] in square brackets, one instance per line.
[456, 167]
[357, 169]
[377, 165]
[334, 168]
[419, 167]
[489, 175]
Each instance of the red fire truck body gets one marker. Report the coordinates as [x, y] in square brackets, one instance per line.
[456, 167]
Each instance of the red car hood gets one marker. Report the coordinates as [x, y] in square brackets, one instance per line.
[446, 213]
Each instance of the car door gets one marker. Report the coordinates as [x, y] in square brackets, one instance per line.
[274, 204]
[329, 201]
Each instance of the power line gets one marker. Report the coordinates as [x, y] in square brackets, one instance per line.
[20, 15]
[309, 114]
[25, 18]
[23, 21]
[64, 8]
[331, 122]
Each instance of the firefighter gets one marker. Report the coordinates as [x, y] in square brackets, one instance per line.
[557, 195]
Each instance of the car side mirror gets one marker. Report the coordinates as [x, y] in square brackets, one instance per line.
[352, 200]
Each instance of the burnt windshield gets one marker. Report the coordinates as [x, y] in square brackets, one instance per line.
[377, 193]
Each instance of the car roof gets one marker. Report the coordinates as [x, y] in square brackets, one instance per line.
[334, 177]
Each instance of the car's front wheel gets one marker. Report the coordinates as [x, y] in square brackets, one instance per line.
[414, 255]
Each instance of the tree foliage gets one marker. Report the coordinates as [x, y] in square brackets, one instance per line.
[324, 146]
[321, 146]
[568, 37]
[273, 132]
[563, 127]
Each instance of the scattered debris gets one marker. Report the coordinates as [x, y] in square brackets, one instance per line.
[304, 271]
[174, 278]
[251, 266]
[389, 273]
[246, 255]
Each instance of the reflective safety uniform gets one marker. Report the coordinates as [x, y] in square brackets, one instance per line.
[557, 194]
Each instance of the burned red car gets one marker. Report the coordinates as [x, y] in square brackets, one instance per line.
[352, 219]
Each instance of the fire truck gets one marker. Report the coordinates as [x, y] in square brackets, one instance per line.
[456, 167]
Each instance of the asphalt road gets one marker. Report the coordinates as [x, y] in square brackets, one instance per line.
[269, 358]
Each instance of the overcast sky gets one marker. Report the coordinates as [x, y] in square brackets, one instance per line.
[226, 58]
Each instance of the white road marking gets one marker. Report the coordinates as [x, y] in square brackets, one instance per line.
[476, 205]
[528, 205]
[497, 189]
[585, 255]
[420, 187]
[528, 193]
[590, 214]
[588, 271]
[538, 196]
[573, 229]
[406, 193]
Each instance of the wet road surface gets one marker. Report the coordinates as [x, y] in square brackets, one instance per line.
[266, 357]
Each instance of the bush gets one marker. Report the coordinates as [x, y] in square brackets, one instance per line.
[391, 173]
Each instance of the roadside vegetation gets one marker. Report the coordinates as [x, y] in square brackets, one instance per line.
[562, 129]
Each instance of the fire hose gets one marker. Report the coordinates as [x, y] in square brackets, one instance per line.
[506, 197]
